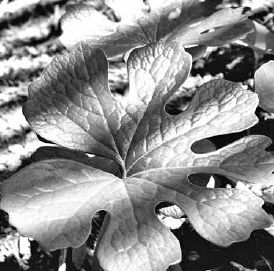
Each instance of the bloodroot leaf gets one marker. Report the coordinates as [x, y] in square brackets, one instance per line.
[225, 215]
[53, 201]
[264, 85]
[54, 152]
[62, 196]
[71, 103]
[223, 26]
[261, 39]
[188, 21]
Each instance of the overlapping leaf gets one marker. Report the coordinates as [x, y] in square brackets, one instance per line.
[261, 39]
[191, 22]
[264, 85]
[54, 200]
[50, 152]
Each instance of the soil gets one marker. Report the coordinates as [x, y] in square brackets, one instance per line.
[28, 42]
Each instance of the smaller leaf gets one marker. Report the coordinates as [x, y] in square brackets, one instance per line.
[51, 152]
[191, 22]
[261, 39]
[264, 85]
[47, 152]
[223, 26]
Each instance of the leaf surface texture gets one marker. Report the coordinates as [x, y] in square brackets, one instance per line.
[72, 106]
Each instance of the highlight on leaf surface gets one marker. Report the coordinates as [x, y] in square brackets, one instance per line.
[264, 85]
[54, 200]
[192, 22]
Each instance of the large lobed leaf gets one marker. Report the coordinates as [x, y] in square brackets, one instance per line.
[53, 201]
[191, 22]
